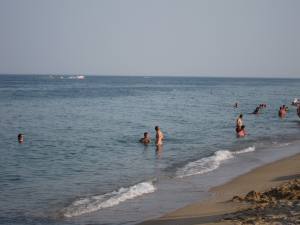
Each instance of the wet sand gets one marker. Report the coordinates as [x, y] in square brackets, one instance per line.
[216, 209]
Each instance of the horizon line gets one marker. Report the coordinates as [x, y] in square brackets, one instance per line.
[154, 75]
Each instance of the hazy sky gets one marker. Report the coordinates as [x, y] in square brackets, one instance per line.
[153, 37]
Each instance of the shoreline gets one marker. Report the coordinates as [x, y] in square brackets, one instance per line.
[214, 209]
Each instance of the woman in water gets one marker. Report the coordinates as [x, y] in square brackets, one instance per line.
[241, 132]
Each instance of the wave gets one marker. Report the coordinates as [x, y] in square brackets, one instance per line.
[249, 149]
[97, 202]
[210, 163]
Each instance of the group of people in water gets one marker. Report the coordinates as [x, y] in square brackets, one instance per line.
[159, 137]
[259, 107]
[240, 127]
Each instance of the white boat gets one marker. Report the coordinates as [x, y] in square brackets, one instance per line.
[80, 77]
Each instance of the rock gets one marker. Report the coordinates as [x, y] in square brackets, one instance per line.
[253, 196]
[237, 199]
[277, 206]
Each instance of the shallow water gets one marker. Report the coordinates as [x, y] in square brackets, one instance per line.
[81, 158]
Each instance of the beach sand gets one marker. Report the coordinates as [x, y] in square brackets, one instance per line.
[216, 209]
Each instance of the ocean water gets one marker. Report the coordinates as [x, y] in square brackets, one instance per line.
[81, 162]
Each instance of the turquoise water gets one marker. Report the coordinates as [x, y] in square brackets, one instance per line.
[81, 162]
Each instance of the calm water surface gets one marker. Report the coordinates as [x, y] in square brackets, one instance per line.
[81, 162]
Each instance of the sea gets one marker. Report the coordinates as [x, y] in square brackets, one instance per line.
[81, 161]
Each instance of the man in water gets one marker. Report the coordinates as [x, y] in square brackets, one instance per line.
[239, 122]
[146, 139]
[159, 136]
[20, 138]
[281, 112]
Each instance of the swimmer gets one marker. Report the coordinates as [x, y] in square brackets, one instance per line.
[236, 105]
[296, 102]
[20, 138]
[239, 121]
[241, 132]
[159, 136]
[256, 111]
[146, 139]
[281, 112]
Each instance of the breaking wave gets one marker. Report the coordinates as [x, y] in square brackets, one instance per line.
[210, 163]
[97, 202]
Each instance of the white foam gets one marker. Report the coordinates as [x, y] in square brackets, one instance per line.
[210, 163]
[97, 202]
[249, 149]
[284, 144]
[204, 165]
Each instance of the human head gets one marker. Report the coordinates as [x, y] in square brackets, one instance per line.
[157, 128]
[20, 138]
[241, 115]
[146, 134]
[243, 127]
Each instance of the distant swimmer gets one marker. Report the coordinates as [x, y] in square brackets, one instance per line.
[263, 105]
[256, 111]
[146, 139]
[239, 121]
[236, 105]
[298, 111]
[159, 136]
[296, 102]
[282, 112]
[241, 132]
[20, 138]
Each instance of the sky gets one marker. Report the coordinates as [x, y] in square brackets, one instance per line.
[242, 38]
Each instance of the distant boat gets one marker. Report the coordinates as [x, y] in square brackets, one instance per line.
[80, 77]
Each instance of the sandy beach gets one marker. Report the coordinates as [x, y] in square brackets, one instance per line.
[222, 209]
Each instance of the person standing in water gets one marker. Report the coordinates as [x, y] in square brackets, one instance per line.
[282, 112]
[159, 136]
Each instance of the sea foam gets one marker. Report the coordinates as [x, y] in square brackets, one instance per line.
[97, 202]
[210, 163]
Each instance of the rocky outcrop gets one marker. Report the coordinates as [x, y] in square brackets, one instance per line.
[277, 206]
